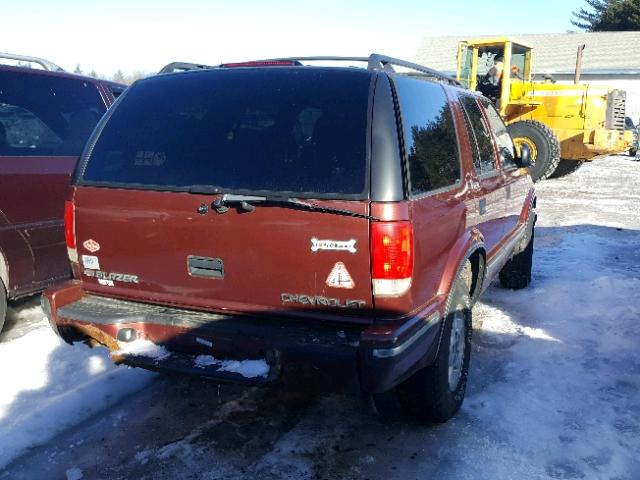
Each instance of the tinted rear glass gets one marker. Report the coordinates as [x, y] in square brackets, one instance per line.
[429, 135]
[299, 130]
[46, 115]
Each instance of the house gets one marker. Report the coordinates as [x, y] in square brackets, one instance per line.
[610, 58]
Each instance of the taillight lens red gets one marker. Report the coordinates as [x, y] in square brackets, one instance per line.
[69, 224]
[391, 257]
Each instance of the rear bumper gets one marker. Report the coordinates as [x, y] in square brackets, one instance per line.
[340, 357]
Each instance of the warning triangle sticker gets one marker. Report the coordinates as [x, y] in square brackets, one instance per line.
[339, 277]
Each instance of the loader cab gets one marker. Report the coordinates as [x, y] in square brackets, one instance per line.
[491, 66]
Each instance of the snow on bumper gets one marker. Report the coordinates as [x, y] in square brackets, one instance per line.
[248, 349]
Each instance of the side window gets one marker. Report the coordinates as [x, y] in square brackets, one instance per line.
[46, 115]
[505, 144]
[429, 135]
[22, 131]
[484, 157]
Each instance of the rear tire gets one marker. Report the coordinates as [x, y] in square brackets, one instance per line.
[3, 305]
[566, 167]
[516, 273]
[544, 145]
[632, 152]
[435, 393]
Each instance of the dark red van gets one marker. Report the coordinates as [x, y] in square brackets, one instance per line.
[255, 220]
[46, 116]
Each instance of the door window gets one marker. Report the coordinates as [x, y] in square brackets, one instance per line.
[484, 158]
[505, 144]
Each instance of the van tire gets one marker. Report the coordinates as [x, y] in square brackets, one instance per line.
[427, 395]
[516, 273]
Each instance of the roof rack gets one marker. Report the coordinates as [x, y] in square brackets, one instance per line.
[378, 62]
[375, 62]
[46, 64]
[184, 67]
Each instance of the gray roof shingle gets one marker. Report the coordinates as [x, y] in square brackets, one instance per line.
[606, 52]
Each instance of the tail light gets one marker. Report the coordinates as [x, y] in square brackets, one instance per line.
[70, 230]
[391, 258]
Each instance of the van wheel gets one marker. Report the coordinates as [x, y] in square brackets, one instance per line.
[435, 393]
[516, 273]
[543, 144]
[3, 305]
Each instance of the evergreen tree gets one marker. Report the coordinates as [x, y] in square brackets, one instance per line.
[119, 77]
[78, 70]
[608, 16]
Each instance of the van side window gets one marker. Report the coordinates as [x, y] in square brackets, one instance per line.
[505, 144]
[21, 132]
[429, 135]
[46, 115]
[484, 158]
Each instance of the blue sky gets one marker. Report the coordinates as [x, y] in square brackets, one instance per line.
[145, 35]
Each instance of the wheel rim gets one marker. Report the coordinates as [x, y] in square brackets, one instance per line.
[518, 141]
[457, 346]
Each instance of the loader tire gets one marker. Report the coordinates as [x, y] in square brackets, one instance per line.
[565, 167]
[543, 143]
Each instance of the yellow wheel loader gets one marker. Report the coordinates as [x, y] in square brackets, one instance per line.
[563, 125]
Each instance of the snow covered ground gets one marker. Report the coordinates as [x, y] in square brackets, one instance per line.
[48, 386]
[554, 388]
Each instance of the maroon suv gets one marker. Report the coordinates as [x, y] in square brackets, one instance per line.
[46, 117]
[333, 220]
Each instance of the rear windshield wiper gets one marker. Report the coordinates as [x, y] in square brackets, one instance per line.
[246, 203]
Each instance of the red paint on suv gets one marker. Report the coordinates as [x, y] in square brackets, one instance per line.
[45, 119]
[338, 221]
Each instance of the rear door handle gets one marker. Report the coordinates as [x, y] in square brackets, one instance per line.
[205, 267]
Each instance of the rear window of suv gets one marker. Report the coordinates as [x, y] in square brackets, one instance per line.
[301, 130]
[46, 115]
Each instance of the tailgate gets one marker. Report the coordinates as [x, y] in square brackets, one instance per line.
[155, 246]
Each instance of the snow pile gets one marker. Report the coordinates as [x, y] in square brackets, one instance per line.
[142, 348]
[49, 386]
[246, 368]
